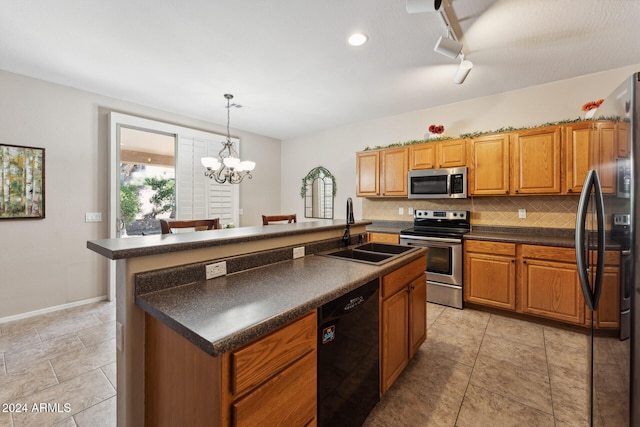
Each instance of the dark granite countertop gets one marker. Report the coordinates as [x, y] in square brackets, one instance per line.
[132, 247]
[391, 227]
[220, 314]
[560, 237]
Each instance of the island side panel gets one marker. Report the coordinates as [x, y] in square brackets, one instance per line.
[130, 359]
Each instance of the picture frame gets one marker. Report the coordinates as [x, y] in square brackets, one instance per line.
[22, 182]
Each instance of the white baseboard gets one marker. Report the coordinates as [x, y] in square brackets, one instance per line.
[51, 309]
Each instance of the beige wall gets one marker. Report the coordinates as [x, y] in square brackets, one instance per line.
[45, 263]
[335, 148]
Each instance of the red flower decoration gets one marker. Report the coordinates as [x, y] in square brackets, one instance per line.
[437, 129]
[592, 104]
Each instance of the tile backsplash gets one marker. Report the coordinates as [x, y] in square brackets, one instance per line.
[541, 211]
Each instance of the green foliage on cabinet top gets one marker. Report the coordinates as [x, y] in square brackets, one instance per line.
[489, 132]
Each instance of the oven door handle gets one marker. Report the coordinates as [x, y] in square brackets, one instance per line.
[431, 239]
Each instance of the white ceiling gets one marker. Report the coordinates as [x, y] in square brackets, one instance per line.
[287, 61]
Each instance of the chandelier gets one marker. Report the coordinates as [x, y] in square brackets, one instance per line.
[227, 167]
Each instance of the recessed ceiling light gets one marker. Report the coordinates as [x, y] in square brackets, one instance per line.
[358, 39]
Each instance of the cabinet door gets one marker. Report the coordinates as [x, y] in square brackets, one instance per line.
[537, 161]
[394, 338]
[577, 162]
[452, 154]
[368, 173]
[552, 290]
[384, 238]
[422, 156]
[604, 151]
[417, 314]
[489, 168]
[490, 280]
[395, 167]
[608, 314]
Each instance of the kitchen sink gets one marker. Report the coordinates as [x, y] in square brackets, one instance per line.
[384, 248]
[370, 253]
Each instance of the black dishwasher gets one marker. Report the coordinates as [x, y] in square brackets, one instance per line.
[348, 358]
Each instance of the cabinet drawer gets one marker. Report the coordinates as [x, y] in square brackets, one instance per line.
[493, 248]
[287, 399]
[384, 238]
[551, 253]
[396, 280]
[256, 362]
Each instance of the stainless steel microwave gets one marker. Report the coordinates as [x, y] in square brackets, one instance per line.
[448, 183]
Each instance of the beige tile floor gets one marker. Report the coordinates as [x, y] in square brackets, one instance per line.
[475, 369]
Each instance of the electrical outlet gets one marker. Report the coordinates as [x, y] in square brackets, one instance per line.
[119, 336]
[522, 213]
[216, 270]
[400, 211]
[410, 211]
[298, 252]
[93, 217]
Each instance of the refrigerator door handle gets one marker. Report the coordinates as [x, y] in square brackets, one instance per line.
[591, 294]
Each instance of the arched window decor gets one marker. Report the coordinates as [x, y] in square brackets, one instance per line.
[318, 190]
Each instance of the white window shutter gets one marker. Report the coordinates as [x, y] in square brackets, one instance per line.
[197, 196]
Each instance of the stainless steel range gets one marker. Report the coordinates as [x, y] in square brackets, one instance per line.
[441, 232]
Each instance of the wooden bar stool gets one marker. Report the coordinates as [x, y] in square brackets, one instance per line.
[271, 219]
[197, 224]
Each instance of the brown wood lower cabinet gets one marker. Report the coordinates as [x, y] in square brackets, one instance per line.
[490, 274]
[403, 319]
[537, 280]
[383, 238]
[269, 381]
[550, 285]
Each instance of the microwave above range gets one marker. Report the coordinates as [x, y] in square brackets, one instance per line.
[448, 183]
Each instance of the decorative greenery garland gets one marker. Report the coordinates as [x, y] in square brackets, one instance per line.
[479, 133]
[315, 174]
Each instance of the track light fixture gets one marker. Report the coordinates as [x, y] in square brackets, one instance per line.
[418, 6]
[448, 45]
[463, 70]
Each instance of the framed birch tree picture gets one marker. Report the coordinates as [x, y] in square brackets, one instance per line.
[21, 182]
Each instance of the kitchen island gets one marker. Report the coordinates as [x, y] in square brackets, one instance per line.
[268, 289]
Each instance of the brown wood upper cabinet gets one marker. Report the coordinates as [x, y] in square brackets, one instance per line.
[536, 154]
[382, 173]
[489, 165]
[592, 145]
[368, 173]
[438, 155]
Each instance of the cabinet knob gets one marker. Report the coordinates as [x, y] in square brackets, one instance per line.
[569, 190]
[524, 262]
[506, 191]
[517, 191]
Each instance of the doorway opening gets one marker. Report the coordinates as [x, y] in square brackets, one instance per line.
[147, 181]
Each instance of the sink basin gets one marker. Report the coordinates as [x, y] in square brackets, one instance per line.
[362, 256]
[370, 253]
[384, 248]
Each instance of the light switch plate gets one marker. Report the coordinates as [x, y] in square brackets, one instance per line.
[410, 211]
[400, 211]
[522, 213]
[93, 217]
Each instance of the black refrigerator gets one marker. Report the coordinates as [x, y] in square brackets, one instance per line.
[606, 221]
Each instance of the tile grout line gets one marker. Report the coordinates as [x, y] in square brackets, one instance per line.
[546, 358]
[466, 389]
